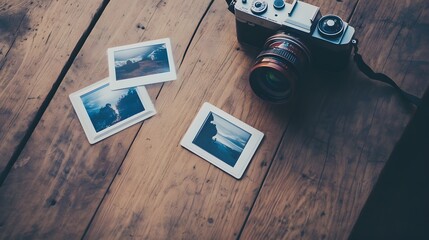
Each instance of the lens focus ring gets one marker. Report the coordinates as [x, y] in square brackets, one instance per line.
[286, 55]
[279, 67]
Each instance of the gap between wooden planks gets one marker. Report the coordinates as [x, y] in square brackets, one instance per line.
[36, 48]
[192, 202]
[58, 180]
[164, 191]
[343, 133]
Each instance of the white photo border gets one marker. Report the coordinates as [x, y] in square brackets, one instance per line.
[88, 127]
[245, 156]
[141, 80]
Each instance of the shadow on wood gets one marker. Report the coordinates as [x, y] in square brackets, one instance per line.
[397, 208]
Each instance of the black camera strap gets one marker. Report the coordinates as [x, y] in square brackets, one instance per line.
[231, 4]
[380, 76]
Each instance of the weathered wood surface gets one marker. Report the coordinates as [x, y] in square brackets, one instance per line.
[36, 41]
[309, 178]
[342, 135]
[178, 193]
[168, 192]
[64, 176]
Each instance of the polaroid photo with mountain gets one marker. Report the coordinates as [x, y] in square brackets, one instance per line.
[104, 112]
[141, 64]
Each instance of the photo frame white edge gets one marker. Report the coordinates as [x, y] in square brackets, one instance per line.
[247, 154]
[142, 80]
[84, 119]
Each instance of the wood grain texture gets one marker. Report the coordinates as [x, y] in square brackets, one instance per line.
[397, 206]
[343, 132]
[59, 179]
[36, 40]
[164, 191]
[309, 179]
[11, 18]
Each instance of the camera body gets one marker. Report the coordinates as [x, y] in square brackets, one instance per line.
[328, 38]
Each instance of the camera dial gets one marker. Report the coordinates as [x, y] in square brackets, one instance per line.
[279, 4]
[259, 6]
[330, 26]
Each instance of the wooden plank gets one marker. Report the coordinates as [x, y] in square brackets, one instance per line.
[11, 18]
[397, 206]
[59, 179]
[343, 132]
[164, 191]
[36, 40]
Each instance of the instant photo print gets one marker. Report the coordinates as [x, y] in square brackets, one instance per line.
[141, 64]
[104, 112]
[222, 140]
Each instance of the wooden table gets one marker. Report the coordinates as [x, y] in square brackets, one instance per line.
[309, 178]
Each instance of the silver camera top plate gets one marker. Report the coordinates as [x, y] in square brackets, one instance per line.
[298, 15]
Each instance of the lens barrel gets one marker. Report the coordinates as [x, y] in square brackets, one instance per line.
[279, 67]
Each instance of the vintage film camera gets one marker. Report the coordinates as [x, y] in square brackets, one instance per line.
[293, 37]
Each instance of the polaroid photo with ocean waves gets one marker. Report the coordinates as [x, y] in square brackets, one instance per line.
[222, 140]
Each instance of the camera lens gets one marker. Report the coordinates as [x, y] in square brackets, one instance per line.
[330, 26]
[278, 68]
[259, 6]
[274, 81]
[271, 84]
